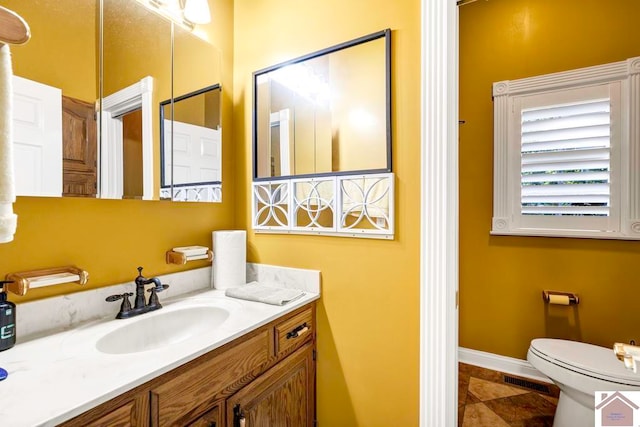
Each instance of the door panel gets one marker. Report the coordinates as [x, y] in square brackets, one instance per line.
[196, 153]
[79, 148]
[37, 138]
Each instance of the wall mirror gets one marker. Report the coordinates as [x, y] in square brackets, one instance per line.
[191, 146]
[322, 142]
[73, 64]
[325, 113]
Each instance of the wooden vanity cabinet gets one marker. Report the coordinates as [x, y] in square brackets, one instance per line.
[211, 418]
[283, 396]
[128, 410]
[267, 375]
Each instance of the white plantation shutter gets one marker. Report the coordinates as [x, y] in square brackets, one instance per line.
[566, 159]
[567, 153]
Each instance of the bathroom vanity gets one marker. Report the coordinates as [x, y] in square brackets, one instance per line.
[264, 378]
[204, 359]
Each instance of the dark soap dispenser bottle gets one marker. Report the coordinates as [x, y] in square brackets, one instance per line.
[7, 320]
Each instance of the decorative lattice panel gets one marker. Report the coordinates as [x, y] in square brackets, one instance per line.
[196, 193]
[352, 205]
[314, 202]
[271, 205]
[366, 203]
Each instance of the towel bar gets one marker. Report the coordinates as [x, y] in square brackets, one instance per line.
[25, 280]
[174, 257]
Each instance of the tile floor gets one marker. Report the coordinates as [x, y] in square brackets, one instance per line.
[485, 399]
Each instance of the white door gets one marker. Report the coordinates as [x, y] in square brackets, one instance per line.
[37, 138]
[196, 153]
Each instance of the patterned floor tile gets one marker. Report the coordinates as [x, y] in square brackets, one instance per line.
[528, 410]
[553, 400]
[478, 415]
[472, 399]
[485, 400]
[487, 390]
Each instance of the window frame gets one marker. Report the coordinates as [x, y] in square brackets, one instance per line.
[624, 219]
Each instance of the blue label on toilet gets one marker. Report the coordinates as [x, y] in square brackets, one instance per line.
[3, 374]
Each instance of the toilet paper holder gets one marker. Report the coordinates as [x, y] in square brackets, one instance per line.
[559, 297]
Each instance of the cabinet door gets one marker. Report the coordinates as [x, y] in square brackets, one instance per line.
[132, 411]
[181, 399]
[212, 418]
[281, 397]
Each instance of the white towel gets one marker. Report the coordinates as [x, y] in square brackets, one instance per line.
[255, 291]
[8, 220]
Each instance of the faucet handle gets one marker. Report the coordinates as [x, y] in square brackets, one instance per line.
[116, 297]
[158, 289]
[125, 307]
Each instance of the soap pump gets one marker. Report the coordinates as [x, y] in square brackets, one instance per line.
[7, 320]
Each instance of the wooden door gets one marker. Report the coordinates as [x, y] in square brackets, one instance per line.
[284, 396]
[79, 148]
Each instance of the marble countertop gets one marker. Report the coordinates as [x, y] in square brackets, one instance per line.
[54, 378]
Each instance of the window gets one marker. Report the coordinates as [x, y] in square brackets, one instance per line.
[567, 153]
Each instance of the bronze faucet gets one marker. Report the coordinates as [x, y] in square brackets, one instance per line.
[141, 306]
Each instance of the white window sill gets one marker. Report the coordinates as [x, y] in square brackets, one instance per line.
[578, 234]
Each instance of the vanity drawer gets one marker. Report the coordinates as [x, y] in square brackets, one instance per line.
[294, 331]
[181, 399]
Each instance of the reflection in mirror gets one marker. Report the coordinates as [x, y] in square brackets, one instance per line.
[191, 146]
[325, 113]
[55, 90]
[59, 81]
[191, 165]
[137, 73]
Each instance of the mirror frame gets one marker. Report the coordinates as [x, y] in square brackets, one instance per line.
[162, 141]
[386, 34]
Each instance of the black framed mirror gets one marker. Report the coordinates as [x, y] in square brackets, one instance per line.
[325, 113]
[191, 145]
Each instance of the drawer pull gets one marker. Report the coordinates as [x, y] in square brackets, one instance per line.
[297, 331]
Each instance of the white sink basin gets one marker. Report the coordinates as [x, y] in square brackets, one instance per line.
[161, 329]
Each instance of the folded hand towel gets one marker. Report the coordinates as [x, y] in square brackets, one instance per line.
[255, 291]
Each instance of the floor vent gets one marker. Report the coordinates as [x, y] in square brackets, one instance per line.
[526, 384]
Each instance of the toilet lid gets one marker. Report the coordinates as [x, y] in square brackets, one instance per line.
[588, 359]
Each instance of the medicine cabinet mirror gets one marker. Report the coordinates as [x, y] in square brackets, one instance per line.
[325, 113]
[87, 125]
[190, 141]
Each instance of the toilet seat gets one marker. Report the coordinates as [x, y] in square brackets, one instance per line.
[586, 359]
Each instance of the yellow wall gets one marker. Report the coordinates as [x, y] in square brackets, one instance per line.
[62, 49]
[110, 238]
[368, 319]
[501, 278]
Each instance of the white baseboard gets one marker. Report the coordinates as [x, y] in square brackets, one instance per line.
[505, 364]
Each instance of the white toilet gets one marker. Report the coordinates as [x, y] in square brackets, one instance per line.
[579, 370]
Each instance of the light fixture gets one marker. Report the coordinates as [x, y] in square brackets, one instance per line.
[197, 11]
[186, 13]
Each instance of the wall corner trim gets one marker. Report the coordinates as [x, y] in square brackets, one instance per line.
[496, 362]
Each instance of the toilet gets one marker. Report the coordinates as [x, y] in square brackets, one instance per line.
[579, 370]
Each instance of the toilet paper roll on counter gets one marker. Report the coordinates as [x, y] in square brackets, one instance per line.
[229, 258]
